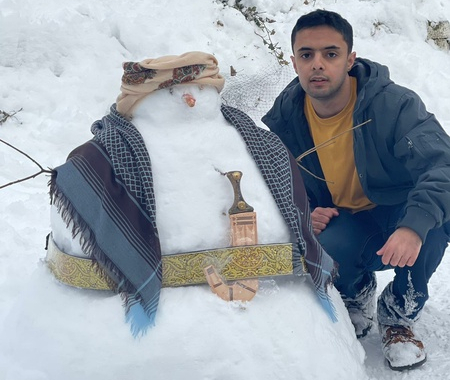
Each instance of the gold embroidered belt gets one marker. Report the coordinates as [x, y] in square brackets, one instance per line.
[233, 263]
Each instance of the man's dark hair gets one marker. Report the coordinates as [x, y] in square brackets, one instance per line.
[324, 18]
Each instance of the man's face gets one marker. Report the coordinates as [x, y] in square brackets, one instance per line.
[321, 61]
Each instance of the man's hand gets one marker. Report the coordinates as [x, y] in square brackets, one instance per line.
[321, 217]
[402, 248]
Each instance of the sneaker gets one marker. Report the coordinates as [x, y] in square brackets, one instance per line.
[401, 348]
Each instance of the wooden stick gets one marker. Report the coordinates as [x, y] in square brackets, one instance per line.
[31, 159]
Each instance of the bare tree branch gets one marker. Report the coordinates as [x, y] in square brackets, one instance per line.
[42, 170]
[5, 115]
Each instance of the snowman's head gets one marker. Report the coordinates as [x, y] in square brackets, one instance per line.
[179, 104]
[140, 79]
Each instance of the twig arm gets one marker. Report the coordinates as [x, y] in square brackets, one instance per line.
[31, 159]
[21, 152]
[26, 178]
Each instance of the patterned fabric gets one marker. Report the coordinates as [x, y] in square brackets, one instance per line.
[141, 78]
[134, 73]
[279, 170]
[129, 156]
[106, 189]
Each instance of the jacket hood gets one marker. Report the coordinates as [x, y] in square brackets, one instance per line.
[372, 78]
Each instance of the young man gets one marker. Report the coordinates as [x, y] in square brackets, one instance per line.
[376, 166]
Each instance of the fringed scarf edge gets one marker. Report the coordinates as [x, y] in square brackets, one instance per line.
[139, 317]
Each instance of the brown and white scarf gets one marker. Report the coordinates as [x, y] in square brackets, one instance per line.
[142, 78]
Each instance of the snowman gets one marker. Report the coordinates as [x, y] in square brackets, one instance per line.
[156, 188]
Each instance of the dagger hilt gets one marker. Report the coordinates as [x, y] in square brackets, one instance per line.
[239, 204]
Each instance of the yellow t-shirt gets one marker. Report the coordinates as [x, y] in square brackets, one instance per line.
[337, 159]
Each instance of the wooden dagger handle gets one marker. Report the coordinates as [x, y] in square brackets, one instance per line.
[239, 204]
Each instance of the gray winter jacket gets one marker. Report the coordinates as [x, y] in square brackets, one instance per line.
[402, 155]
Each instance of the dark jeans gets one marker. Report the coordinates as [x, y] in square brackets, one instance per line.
[353, 239]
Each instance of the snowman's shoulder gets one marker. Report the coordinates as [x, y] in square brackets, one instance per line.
[245, 125]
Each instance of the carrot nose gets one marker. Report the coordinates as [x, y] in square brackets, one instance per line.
[189, 99]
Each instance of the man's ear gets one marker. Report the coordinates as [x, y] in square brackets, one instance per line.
[293, 64]
[351, 60]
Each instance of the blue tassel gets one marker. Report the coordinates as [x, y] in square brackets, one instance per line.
[328, 306]
[139, 320]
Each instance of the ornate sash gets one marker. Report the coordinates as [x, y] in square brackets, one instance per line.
[233, 263]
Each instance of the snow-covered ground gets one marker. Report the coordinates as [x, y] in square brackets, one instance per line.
[60, 62]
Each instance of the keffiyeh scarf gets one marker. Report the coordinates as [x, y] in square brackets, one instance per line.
[105, 189]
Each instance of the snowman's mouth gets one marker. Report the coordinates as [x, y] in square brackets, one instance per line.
[189, 99]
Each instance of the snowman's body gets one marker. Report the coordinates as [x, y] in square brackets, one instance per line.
[282, 333]
[189, 148]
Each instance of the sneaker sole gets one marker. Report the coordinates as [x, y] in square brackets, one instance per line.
[407, 367]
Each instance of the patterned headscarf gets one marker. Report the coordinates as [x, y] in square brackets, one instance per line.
[142, 78]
